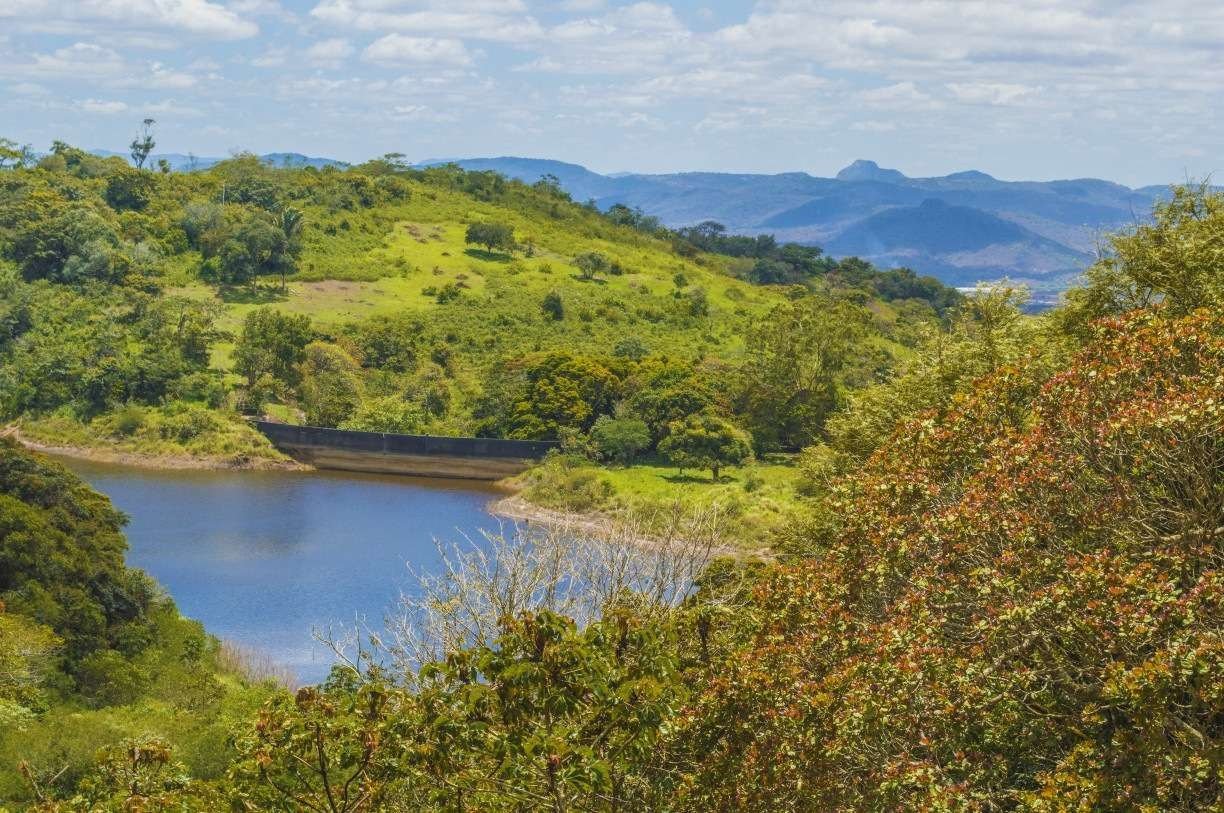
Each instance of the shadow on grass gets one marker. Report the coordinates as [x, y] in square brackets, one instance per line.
[692, 478]
[595, 280]
[252, 294]
[488, 256]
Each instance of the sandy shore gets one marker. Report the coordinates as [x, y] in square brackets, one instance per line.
[517, 508]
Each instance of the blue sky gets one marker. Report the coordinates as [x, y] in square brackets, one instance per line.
[1129, 91]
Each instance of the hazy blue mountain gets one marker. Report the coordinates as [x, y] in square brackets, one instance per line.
[1043, 232]
[186, 163]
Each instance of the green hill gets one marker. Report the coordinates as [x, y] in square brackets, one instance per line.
[147, 312]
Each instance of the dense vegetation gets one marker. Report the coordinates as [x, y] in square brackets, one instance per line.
[95, 661]
[1003, 592]
[146, 310]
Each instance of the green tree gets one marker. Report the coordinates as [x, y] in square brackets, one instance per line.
[292, 222]
[553, 306]
[1174, 260]
[705, 441]
[256, 246]
[792, 376]
[491, 235]
[391, 413]
[130, 190]
[620, 439]
[591, 264]
[12, 154]
[537, 396]
[143, 144]
[331, 384]
[272, 343]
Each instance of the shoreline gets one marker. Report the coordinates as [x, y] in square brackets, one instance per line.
[112, 456]
[515, 507]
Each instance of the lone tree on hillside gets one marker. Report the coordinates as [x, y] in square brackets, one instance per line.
[592, 264]
[143, 144]
[491, 236]
[705, 441]
[553, 306]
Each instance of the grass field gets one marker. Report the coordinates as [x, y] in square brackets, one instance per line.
[753, 500]
[396, 258]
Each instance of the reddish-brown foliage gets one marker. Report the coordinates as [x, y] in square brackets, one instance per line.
[1024, 609]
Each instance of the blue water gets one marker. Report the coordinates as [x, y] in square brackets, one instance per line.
[265, 558]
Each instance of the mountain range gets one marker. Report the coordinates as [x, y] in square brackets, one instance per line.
[962, 228]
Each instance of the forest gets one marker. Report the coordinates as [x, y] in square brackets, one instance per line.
[994, 584]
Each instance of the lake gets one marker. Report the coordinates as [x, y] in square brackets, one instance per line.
[263, 558]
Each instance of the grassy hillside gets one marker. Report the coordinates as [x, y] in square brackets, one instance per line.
[149, 313]
[146, 312]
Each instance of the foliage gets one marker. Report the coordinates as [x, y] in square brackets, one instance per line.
[391, 413]
[620, 439]
[1175, 259]
[538, 396]
[705, 441]
[1017, 602]
[987, 330]
[330, 384]
[591, 264]
[272, 343]
[553, 306]
[491, 236]
[793, 375]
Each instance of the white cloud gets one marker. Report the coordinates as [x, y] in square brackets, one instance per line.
[994, 93]
[272, 58]
[330, 51]
[493, 20]
[399, 49]
[103, 107]
[83, 59]
[200, 17]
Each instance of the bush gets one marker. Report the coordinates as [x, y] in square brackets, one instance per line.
[553, 307]
[620, 439]
[129, 419]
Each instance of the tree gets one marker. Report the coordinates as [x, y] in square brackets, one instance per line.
[272, 343]
[1017, 601]
[491, 236]
[129, 190]
[331, 384]
[620, 439]
[553, 307]
[12, 153]
[1174, 260]
[705, 441]
[292, 221]
[536, 396]
[792, 376]
[391, 413]
[143, 144]
[256, 246]
[592, 264]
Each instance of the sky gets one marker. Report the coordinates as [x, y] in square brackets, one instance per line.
[1022, 89]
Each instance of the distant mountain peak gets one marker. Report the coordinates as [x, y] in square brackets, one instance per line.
[969, 175]
[864, 170]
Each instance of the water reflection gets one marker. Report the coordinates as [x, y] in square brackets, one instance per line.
[263, 557]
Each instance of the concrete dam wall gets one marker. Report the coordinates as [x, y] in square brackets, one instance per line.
[416, 455]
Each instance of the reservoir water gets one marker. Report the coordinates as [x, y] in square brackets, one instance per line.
[264, 558]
